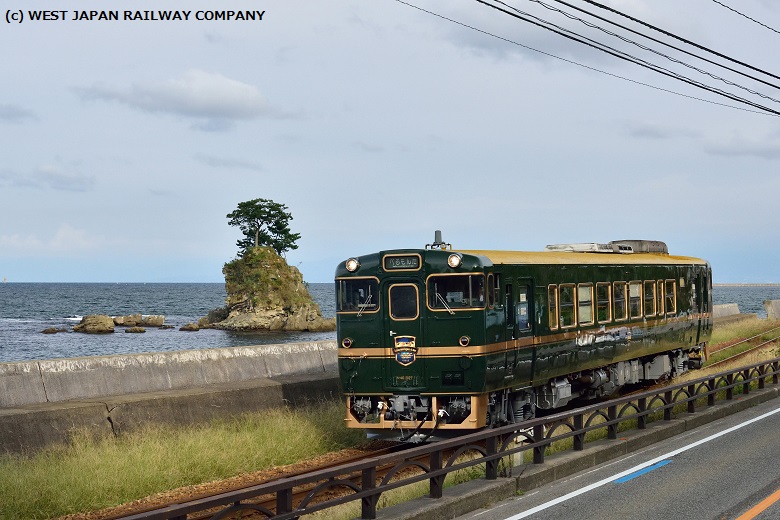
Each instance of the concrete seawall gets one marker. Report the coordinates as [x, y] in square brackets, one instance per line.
[57, 380]
[44, 402]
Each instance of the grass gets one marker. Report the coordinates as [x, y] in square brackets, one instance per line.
[92, 474]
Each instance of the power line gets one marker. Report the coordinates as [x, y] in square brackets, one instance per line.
[602, 6]
[746, 16]
[669, 91]
[646, 48]
[679, 49]
[622, 55]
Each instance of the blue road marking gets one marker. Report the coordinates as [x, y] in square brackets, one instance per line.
[642, 471]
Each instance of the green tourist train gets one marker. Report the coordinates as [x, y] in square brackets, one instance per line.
[436, 341]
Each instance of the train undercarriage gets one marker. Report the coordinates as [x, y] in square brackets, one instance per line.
[417, 418]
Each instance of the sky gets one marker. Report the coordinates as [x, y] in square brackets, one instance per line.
[125, 143]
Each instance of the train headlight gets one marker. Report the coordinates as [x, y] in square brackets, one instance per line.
[454, 260]
[346, 342]
[352, 265]
[464, 341]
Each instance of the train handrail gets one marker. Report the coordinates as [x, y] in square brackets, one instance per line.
[491, 445]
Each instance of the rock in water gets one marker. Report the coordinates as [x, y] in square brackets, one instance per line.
[264, 293]
[95, 324]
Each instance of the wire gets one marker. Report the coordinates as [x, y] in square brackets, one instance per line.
[746, 16]
[588, 67]
[622, 55]
[646, 48]
[602, 6]
[721, 65]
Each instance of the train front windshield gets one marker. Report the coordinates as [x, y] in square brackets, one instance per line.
[358, 295]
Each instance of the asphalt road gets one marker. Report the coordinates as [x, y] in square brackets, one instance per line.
[717, 472]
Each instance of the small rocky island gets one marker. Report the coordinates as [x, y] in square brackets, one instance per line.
[264, 293]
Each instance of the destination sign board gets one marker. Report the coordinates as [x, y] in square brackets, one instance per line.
[402, 262]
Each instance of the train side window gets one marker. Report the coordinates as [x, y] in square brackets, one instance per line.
[552, 306]
[620, 295]
[403, 302]
[491, 291]
[635, 299]
[603, 307]
[461, 291]
[659, 297]
[567, 294]
[671, 297]
[496, 289]
[650, 298]
[585, 303]
[521, 308]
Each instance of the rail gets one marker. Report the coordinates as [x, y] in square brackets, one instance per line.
[336, 486]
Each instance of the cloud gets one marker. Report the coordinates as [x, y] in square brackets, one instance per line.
[15, 114]
[739, 146]
[655, 131]
[228, 163]
[367, 147]
[48, 177]
[215, 100]
[66, 240]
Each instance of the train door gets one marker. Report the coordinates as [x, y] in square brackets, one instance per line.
[519, 357]
[403, 370]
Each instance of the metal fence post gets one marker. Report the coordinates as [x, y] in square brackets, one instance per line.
[730, 389]
[436, 483]
[641, 422]
[539, 450]
[284, 501]
[691, 399]
[668, 410]
[368, 504]
[579, 438]
[491, 468]
[613, 427]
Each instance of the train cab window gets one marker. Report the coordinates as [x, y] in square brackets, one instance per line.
[620, 295]
[491, 291]
[462, 291]
[585, 303]
[635, 299]
[659, 297]
[552, 306]
[566, 295]
[357, 295]
[650, 298]
[403, 302]
[603, 306]
[671, 297]
[496, 288]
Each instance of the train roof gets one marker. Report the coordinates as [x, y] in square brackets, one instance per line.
[568, 258]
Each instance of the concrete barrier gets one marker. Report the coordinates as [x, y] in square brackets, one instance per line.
[58, 380]
[772, 309]
[725, 309]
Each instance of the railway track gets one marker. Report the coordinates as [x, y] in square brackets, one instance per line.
[206, 491]
[744, 353]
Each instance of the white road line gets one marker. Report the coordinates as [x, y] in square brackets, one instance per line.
[607, 480]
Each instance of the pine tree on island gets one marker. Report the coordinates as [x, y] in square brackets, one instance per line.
[263, 292]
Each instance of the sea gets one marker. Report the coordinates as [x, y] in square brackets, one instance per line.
[26, 309]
